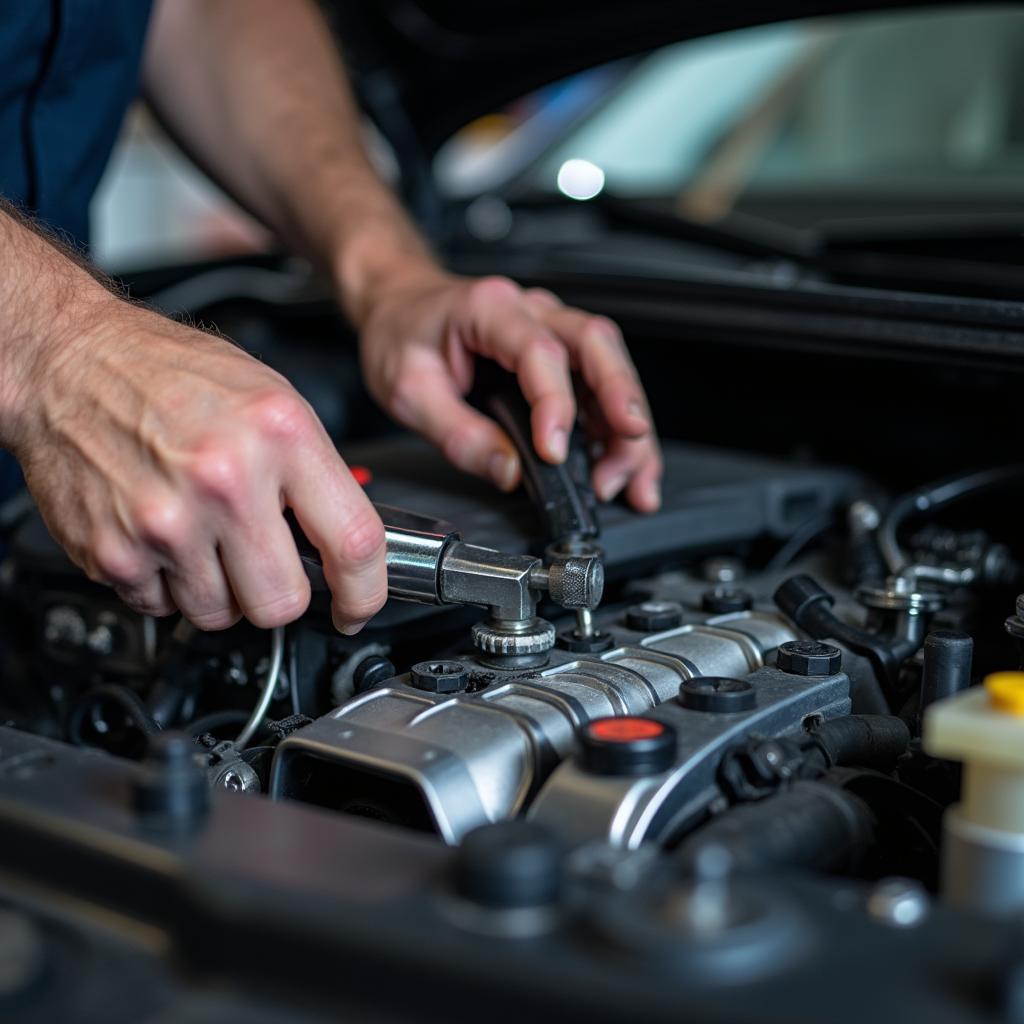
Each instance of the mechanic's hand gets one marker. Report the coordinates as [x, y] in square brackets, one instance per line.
[418, 345]
[162, 457]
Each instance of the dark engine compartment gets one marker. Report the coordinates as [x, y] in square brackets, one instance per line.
[713, 808]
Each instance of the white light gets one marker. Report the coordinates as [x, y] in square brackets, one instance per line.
[580, 179]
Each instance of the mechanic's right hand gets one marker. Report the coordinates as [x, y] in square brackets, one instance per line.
[162, 458]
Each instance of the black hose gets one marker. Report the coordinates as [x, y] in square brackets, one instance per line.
[867, 741]
[811, 826]
[127, 701]
[805, 602]
[931, 498]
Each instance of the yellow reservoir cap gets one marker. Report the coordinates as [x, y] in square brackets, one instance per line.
[1006, 692]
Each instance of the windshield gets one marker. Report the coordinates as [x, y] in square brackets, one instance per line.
[919, 111]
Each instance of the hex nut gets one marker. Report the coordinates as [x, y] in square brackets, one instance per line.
[439, 676]
[654, 616]
[809, 658]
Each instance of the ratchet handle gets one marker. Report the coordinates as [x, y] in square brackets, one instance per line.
[562, 494]
[415, 547]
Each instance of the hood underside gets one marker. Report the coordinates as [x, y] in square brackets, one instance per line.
[425, 68]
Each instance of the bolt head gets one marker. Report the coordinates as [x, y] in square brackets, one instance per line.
[439, 676]
[654, 616]
[809, 658]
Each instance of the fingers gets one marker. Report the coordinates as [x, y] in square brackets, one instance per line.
[470, 440]
[633, 465]
[199, 586]
[151, 597]
[502, 327]
[343, 525]
[604, 363]
[263, 568]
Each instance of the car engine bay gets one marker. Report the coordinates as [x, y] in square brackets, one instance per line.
[585, 762]
[680, 741]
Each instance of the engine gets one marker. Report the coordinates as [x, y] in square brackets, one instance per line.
[751, 670]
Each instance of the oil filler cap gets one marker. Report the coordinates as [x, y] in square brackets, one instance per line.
[628, 745]
[717, 694]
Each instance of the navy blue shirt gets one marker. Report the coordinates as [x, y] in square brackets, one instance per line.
[68, 71]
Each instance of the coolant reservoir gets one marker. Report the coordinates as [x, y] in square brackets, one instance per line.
[983, 848]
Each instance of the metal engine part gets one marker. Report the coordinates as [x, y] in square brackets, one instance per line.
[448, 762]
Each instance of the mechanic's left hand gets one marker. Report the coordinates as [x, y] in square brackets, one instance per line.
[418, 344]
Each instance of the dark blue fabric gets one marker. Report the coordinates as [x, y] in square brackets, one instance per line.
[68, 71]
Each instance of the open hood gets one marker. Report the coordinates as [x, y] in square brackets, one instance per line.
[425, 68]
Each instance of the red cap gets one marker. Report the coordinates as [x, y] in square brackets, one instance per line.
[625, 730]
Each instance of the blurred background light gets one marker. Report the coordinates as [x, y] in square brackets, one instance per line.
[580, 179]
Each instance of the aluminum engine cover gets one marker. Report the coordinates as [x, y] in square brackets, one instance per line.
[452, 762]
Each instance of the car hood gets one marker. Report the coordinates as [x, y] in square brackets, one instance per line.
[425, 68]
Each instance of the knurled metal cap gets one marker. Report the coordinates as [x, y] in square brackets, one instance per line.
[576, 581]
[536, 638]
[809, 658]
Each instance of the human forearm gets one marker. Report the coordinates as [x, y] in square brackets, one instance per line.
[161, 456]
[255, 91]
[46, 300]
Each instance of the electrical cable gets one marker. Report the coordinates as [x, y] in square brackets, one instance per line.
[808, 532]
[270, 685]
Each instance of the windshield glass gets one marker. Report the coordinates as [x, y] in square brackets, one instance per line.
[918, 111]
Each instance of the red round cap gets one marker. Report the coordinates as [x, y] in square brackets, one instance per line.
[626, 745]
[625, 730]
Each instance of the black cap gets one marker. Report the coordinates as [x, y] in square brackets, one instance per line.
[722, 600]
[439, 676]
[654, 616]
[371, 672]
[809, 658]
[169, 784]
[717, 693]
[626, 745]
[509, 864]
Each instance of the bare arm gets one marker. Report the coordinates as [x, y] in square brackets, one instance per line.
[255, 90]
[162, 457]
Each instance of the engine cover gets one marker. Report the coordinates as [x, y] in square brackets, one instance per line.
[451, 762]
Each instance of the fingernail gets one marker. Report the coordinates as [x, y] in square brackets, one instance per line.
[503, 469]
[654, 495]
[636, 410]
[611, 487]
[558, 444]
[352, 628]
